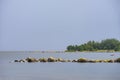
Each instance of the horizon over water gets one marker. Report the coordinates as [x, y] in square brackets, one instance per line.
[45, 29]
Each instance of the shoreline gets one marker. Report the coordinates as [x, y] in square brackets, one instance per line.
[98, 51]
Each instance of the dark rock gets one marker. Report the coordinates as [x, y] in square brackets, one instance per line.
[92, 61]
[43, 60]
[29, 59]
[98, 61]
[117, 60]
[59, 59]
[82, 60]
[22, 60]
[111, 61]
[68, 60]
[63, 60]
[51, 59]
[74, 60]
[16, 60]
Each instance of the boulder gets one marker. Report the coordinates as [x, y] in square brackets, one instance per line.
[82, 60]
[117, 60]
[97, 61]
[105, 61]
[111, 61]
[74, 60]
[59, 59]
[68, 60]
[63, 60]
[16, 60]
[29, 59]
[51, 59]
[22, 60]
[92, 61]
[43, 60]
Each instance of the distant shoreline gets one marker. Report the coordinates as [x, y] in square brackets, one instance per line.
[106, 51]
[32, 51]
[98, 51]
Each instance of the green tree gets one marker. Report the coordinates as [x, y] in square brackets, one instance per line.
[107, 44]
[71, 48]
[110, 44]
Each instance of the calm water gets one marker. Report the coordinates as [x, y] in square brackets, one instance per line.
[58, 71]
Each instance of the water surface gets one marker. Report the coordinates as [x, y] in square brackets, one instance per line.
[58, 70]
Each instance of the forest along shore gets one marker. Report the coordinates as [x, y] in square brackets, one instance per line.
[107, 45]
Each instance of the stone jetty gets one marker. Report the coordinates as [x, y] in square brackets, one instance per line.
[80, 60]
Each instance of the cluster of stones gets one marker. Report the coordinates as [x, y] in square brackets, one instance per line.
[50, 59]
[81, 60]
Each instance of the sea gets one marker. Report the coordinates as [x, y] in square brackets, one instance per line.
[10, 70]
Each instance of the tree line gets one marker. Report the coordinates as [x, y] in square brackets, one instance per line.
[107, 44]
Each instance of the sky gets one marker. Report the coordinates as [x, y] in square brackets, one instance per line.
[55, 24]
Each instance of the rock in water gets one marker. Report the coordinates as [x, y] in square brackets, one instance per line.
[82, 60]
[43, 60]
[16, 60]
[29, 59]
[117, 60]
[51, 59]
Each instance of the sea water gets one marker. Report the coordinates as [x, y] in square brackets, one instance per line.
[10, 70]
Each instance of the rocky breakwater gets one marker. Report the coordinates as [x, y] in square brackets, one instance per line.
[80, 60]
[50, 59]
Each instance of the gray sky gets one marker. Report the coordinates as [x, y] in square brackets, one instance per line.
[55, 24]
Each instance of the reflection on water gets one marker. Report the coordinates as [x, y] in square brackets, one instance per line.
[59, 71]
